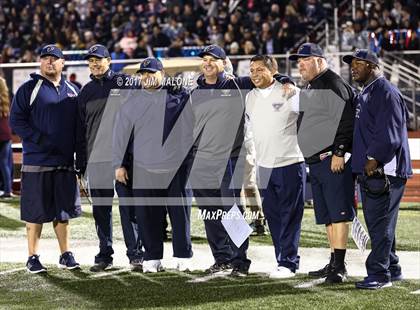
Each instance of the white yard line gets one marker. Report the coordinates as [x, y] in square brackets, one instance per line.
[141, 275]
[310, 284]
[210, 277]
[12, 270]
[415, 292]
[109, 273]
[119, 280]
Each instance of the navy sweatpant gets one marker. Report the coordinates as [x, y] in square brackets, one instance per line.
[214, 198]
[151, 206]
[101, 183]
[381, 214]
[283, 193]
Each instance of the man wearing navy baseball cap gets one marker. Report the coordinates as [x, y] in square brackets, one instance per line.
[92, 103]
[213, 84]
[49, 186]
[380, 154]
[154, 165]
[331, 176]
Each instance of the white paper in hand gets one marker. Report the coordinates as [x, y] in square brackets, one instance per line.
[236, 226]
[359, 234]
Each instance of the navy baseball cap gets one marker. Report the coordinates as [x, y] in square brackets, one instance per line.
[362, 54]
[150, 64]
[51, 50]
[308, 50]
[213, 50]
[98, 51]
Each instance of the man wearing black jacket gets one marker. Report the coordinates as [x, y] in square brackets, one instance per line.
[97, 112]
[325, 138]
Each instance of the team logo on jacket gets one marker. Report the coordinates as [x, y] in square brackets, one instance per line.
[226, 93]
[71, 94]
[277, 106]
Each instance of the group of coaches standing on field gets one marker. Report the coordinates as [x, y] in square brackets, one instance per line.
[341, 137]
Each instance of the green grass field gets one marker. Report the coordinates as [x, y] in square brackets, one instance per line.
[122, 289]
[408, 228]
[127, 290]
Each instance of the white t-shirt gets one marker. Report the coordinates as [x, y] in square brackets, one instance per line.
[273, 123]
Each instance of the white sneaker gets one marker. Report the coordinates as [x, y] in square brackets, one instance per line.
[184, 264]
[153, 265]
[282, 273]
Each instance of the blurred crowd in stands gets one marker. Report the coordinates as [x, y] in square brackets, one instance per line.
[133, 28]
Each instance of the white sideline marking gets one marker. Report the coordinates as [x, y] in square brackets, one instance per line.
[211, 276]
[415, 292]
[139, 274]
[310, 283]
[12, 270]
[110, 273]
[183, 274]
[119, 280]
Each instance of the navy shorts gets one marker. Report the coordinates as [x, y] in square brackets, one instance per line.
[49, 196]
[333, 193]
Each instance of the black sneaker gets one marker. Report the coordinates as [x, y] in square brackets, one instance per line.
[101, 266]
[238, 272]
[33, 265]
[321, 273]
[219, 268]
[136, 265]
[337, 275]
[67, 261]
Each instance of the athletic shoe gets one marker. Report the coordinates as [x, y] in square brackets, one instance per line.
[370, 284]
[396, 274]
[101, 266]
[282, 273]
[67, 261]
[239, 272]
[184, 264]
[152, 266]
[321, 273]
[136, 265]
[219, 268]
[338, 274]
[33, 265]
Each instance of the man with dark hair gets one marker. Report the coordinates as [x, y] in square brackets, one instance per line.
[44, 115]
[330, 98]
[218, 106]
[92, 103]
[281, 168]
[381, 159]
